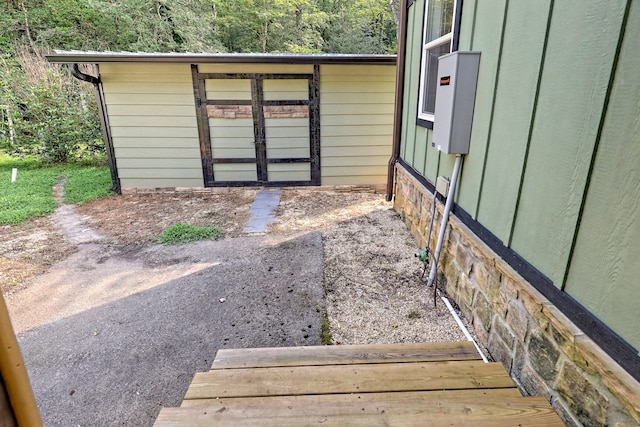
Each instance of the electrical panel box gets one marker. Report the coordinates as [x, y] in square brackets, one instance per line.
[455, 99]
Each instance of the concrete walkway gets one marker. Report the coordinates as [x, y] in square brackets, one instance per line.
[263, 211]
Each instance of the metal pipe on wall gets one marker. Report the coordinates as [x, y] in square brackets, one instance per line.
[445, 218]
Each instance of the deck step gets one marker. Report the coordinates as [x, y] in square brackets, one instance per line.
[344, 355]
[444, 384]
[370, 378]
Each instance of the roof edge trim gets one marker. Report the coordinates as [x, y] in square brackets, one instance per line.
[89, 57]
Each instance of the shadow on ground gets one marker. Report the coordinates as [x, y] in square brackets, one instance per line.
[116, 361]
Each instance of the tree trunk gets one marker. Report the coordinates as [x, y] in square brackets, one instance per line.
[265, 34]
[396, 17]
[299, 40]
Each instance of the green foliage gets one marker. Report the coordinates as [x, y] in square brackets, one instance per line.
[333, 26]
[86, 184]
[185, 233]
[55, 116]
[52, 116]
[27, 163]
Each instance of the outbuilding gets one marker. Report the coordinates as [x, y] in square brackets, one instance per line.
[175, 120]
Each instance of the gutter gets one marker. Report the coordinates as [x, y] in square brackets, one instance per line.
[397, 111]
[104, 123]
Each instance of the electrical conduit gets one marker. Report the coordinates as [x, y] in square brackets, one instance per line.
[445, 218]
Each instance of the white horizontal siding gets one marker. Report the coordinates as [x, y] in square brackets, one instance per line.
[286, 89]
[153, 123]
[256, 68]
[235, 172]
[232, 89]
[356, 123]
[162, 182]
[289, 171]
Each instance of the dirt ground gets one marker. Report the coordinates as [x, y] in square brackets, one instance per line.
[374, 292]
[29, 249]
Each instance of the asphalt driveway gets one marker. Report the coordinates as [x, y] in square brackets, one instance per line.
[112, 334]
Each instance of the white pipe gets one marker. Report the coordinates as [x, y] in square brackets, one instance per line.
[14, 174]
[465, 331]
[445, 219]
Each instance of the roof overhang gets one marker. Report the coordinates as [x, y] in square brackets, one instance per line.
[91, 57]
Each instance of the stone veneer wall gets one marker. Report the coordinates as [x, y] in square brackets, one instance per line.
[544, 352]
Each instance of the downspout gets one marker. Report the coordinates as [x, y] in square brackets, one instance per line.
[445, 218]
[397, 111]
[104, 123]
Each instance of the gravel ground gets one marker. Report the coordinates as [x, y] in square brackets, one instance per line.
[373, 284]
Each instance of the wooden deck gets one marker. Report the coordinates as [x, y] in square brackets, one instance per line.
[368, 385]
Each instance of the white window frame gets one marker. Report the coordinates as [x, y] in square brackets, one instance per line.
[425, 48]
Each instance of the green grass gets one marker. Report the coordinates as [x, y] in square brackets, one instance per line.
[32, 193]
[29, 196]
[185, 233]
[85, 184]
[325, 330]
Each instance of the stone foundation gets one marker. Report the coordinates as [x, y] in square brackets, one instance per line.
[544, 352]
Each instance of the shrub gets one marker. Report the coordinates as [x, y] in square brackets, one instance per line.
[52, 115]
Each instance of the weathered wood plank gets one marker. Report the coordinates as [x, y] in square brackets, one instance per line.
[357, 378]
[414, 397]
[520, 411]
[341, 355]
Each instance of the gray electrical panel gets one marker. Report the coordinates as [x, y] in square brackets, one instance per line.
[455, 99]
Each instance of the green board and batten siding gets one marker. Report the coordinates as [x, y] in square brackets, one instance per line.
[604, 274]
[155, 133]
[553, 164]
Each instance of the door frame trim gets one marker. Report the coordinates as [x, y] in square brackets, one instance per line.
[257, 101]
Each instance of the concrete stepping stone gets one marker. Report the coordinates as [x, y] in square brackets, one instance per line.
[263, 211]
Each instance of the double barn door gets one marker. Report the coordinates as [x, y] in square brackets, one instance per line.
[258, 129]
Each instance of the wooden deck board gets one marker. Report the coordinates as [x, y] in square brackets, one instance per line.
[519, 411]
[409, 397]
[343, 355]
[299, 380]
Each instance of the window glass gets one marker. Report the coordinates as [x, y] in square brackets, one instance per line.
[431, 76]
[438, 34]
[439, 19]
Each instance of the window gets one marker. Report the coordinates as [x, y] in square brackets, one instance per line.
[437, 40]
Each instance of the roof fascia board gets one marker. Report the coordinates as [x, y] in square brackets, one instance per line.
[69, 57]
